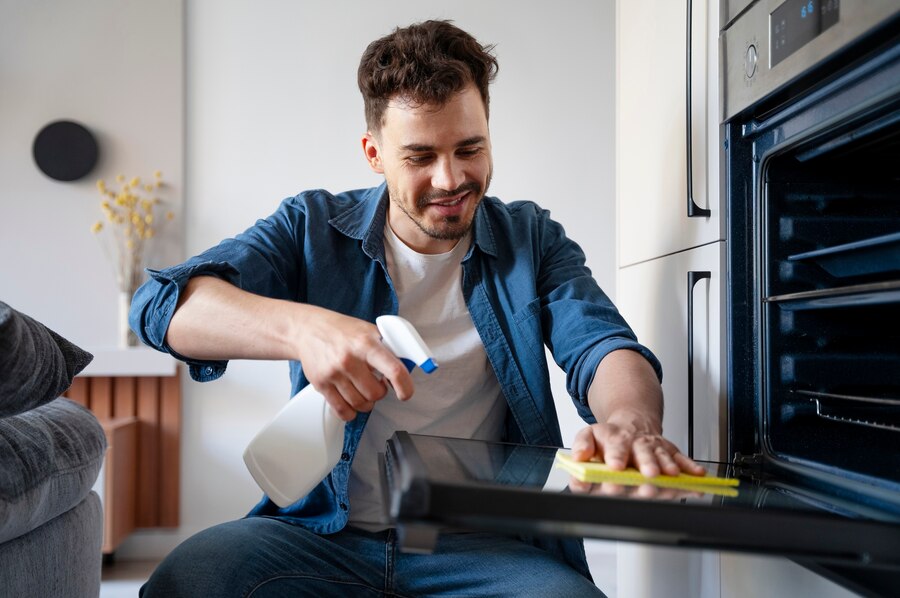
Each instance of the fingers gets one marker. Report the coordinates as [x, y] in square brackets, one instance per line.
[607, 443]
[583, 447]
[337, 402]
[393, 370]
[646, 455]
[687, 464]
[618, 448]
[342, 356]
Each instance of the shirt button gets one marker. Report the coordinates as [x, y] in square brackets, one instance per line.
[343, 506]
[345, 456]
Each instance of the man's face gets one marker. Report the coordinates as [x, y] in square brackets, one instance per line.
[437, 164]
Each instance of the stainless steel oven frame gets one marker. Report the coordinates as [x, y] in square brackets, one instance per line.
[747, 75]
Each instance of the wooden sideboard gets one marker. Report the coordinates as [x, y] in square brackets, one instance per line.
[141, 415]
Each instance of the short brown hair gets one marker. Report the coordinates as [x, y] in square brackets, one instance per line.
[424, 63]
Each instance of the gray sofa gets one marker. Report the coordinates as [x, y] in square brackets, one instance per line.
[51, 449]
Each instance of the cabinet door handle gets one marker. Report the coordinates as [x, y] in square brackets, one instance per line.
[692, 278]
[693, 210]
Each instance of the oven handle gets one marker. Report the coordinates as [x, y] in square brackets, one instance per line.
[693, 277]
[693, 210]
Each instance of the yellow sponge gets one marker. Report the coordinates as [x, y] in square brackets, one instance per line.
[595, 472]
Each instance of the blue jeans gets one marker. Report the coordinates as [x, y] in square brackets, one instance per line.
[263, 557]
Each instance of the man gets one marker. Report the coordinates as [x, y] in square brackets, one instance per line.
[486, 284]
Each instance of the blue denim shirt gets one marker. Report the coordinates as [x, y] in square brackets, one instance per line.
[524, 282]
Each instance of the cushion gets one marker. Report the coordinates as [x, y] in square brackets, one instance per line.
[50, 458]
[36, 364]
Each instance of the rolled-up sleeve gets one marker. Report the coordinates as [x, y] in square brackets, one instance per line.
[262, 260]
[581, 323]
[153, 306]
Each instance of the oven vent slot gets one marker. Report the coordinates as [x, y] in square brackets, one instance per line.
[878, 255]
[831, 370]
[810, 230]
[871, 412]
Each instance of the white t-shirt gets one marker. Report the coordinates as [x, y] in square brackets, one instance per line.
[461, 399]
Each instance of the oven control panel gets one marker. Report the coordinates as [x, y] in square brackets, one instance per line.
[797, 22]
[772, 42]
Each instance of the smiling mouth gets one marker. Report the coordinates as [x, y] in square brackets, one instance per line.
[443, 199]
[450, 203]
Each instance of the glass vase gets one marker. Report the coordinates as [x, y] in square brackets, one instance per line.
[126, 338]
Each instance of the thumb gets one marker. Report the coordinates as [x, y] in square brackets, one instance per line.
[584, 447]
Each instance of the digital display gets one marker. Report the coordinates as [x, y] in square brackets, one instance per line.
[796, 22]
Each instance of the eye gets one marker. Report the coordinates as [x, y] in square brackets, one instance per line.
[419, 160]
[468, 152]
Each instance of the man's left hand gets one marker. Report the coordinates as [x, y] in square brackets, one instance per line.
[619, 446]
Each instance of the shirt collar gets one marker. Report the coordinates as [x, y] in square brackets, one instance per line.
[365, 221]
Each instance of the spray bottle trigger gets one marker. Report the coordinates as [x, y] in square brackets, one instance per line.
[410, 365]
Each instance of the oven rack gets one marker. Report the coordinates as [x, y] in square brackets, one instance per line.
[876, 255]
[828, 407]
[849, 296]
[809, 230]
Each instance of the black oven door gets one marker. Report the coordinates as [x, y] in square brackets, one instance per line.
[434, 483]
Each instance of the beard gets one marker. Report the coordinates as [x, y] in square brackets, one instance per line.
[449, 228]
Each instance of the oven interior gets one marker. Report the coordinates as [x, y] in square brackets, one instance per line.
[829, 301]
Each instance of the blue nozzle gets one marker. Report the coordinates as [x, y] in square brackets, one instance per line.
[427, 366]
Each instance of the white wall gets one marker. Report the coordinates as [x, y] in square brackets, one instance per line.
[116, 66]
[272, 108]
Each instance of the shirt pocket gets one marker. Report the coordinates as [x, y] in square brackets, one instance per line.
[528, 324]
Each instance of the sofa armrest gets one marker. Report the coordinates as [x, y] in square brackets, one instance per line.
[49, 459]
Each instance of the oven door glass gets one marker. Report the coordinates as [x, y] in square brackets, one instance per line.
[435, 482]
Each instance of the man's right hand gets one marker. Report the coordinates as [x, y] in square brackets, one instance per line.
[341, 356]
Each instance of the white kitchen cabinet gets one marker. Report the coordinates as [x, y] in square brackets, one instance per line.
[745, 576]
[652, 139]
[653, 298]
[664, 160]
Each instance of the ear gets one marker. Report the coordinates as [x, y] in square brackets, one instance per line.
[372, 152]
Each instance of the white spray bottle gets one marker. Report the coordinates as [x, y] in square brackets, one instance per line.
[297, 449]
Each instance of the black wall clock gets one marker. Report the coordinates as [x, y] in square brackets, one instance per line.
[65, 150]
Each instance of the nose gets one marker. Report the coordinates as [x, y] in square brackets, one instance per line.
[447, 175]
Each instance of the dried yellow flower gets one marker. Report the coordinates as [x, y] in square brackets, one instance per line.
[130, 216]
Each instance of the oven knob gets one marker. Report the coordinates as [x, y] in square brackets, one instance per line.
[750, 61]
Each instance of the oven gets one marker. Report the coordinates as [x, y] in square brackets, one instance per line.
[811, 175]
